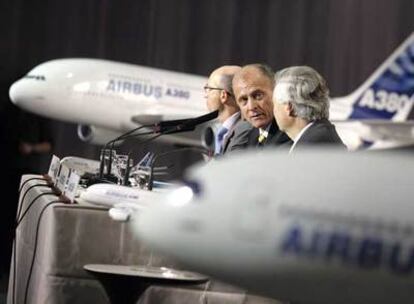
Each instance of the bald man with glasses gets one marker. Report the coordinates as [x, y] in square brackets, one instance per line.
[219, 96]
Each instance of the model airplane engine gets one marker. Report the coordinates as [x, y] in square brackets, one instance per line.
[95, 135]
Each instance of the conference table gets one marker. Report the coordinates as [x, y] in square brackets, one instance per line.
[71, 236]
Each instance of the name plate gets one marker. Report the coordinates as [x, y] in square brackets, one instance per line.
[54, 168]
[63, 178]
[72, 186]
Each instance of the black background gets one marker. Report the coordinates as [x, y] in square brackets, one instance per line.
[344, 40]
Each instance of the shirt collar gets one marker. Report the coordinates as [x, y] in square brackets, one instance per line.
[229, 122]
[297, 137]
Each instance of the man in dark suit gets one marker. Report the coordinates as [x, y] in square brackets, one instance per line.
[253, 88]
[219, 96]
[301, 108]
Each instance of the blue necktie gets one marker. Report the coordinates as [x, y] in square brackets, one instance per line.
[219, 140]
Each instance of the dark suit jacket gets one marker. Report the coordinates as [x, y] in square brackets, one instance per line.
[274, 138]
[321, 132]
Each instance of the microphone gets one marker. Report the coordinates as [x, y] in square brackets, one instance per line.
[113, 141]
[158, 129]
[184, 125]
[174, 126]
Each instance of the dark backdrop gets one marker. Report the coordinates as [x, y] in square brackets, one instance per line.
[345, 40]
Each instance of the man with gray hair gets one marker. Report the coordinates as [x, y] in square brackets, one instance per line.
[301, 108]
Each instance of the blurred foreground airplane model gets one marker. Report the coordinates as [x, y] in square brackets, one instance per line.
[344, 235]
[108, 98]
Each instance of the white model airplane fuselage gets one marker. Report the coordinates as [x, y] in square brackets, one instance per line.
[316, 227]
[108, 95]
[111, 98]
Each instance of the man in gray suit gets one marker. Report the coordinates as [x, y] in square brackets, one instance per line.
[301, 108]
[219, 96]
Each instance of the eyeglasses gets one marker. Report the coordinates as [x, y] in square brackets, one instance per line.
[207, 88]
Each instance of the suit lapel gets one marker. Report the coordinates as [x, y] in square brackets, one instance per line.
[230, 134]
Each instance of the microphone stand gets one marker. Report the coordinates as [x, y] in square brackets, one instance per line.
[128, 168]
[161, 128]
[121, 137]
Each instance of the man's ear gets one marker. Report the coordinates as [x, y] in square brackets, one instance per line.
[223, 96]
[290, 109]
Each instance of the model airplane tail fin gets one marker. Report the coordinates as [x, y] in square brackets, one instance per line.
[389, 93]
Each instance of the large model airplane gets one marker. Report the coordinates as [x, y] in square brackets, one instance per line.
[108, 98]
[343, 235]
